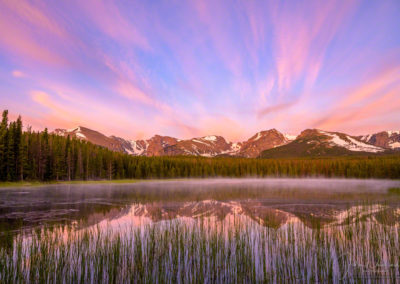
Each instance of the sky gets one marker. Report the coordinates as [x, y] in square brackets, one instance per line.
[208, 67]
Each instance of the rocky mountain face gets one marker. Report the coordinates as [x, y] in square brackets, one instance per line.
[207, 146]
[262, 141]
[113, 143]
[268, 143]
[314, 142]
[152, 147]
[384, 139]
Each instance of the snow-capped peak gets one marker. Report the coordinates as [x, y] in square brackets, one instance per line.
[212, 138]
[290, 137]
[76, 129]
[350, 143]
[391, 132]
[137, 149]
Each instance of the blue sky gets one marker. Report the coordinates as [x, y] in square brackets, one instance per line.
[193, 68]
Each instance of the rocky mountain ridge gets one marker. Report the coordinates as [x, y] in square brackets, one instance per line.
[309, 142]
[385, 139]
[319, 143]
[207, 146]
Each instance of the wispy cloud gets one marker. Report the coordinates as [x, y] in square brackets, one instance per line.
[191, 68]
[274, 108]
[301, 35]
[18, 74]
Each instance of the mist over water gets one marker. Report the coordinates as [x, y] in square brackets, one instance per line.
[31, 207]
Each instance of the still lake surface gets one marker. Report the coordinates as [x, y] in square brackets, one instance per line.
[202, 231]
[270, 202]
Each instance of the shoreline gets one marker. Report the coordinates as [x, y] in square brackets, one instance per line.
[10, 184]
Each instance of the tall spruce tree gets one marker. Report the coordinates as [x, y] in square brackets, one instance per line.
[11, 166]
[3, 145]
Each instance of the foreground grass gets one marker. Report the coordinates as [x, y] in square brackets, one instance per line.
[394, 190]
[205, 252]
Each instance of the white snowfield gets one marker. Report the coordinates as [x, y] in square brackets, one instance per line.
[394, 145]
[137, 149]
[210, 138]
[80, 135]
[236, 147]
[391, 132]
[200, 141]
[366, 137]
[290, 137]
[258, 136]
[351, 143]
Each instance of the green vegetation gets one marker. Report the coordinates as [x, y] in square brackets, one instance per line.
[205, 252]
[40, 156]
[394, 190]
[40, 183]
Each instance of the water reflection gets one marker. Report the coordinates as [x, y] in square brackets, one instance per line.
[270, 202]
[213, 231]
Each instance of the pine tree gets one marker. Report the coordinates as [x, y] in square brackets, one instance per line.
[3, 145]
[11, 166]
[18, 148]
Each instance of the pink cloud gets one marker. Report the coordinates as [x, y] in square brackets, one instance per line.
[301, 38]
[60, 113]
[274, 108]
[29, 30]
[17, 40]
[374, 97]
[18, 74]
[110, 20]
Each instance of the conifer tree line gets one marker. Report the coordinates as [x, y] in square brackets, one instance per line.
[30, 155]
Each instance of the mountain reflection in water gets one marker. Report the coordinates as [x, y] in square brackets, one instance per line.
[268, 202]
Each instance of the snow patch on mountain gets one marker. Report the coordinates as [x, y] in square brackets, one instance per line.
[74, 129]
[199, 141]
[391, 132]
[351, 143]
[210, 138]
[137, 149]
[259, 135]
[366, 137]
[394, 145]
[235, 147]
[290, 137]
[80, 135]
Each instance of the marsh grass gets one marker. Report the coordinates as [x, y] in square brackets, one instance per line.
[394, 190]
[205, 251]
[7, 184]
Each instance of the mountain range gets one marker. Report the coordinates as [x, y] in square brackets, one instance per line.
[268, 143]
[273, 216]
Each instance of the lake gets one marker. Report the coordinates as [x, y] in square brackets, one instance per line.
[213, 230]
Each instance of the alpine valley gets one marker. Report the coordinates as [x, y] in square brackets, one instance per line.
[268, 144]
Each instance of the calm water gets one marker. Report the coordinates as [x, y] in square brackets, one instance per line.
[202, 231]
[272, 202]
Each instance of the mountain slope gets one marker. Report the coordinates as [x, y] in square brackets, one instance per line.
[262, 141]
[268, 143]
[207, 146]
[313, 142]
[384, 139]
[113, 143]
[152, 147]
